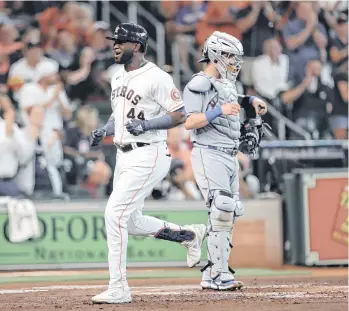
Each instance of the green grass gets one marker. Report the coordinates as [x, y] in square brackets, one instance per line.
[156, 274]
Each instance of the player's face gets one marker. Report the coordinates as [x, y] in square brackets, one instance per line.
[123, 51]
[233, 62]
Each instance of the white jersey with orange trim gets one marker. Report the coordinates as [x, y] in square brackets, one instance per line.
[145, 93]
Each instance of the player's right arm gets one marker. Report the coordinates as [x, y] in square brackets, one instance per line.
[107, 130]
[193, 97]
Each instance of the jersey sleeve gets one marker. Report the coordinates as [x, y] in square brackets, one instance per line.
[166, 94]
[192, 102]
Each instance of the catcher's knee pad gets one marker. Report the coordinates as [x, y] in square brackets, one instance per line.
[222, 207]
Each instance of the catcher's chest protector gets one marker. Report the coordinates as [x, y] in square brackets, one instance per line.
[224, 92]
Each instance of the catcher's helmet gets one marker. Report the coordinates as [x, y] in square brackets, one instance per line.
[130, 32]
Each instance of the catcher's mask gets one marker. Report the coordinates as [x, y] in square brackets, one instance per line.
[225, 52]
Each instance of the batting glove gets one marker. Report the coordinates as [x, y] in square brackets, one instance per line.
[97, 136]
[136, 127]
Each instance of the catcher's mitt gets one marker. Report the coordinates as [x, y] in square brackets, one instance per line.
[252, 131]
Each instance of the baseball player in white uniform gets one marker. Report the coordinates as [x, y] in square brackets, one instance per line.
[145, 103]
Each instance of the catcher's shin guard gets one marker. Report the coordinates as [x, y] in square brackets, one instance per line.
[217, 274]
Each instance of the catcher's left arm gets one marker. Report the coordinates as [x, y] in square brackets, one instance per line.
[253, 105]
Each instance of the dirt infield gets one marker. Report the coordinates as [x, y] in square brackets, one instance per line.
[320, 289]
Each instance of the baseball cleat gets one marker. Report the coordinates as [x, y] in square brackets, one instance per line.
[194, 247]
[113, 296]
[221, 285]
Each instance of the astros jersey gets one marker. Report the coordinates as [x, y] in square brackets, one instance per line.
[145, 93]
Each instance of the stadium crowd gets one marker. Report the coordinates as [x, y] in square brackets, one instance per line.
[55, 62]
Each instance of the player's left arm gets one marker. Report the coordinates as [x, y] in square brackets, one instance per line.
[253, 106]
[169, 120]
[167, 96]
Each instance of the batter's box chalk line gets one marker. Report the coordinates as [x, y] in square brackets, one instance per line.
[317, 290]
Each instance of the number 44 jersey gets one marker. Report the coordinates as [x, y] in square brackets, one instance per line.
[145, 93]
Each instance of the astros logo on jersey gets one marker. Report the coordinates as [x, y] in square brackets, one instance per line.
[175, 95]
[129, 94]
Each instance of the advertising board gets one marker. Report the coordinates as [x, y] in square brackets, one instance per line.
[325, 197]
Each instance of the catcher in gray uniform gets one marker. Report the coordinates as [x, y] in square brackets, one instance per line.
[212, 108]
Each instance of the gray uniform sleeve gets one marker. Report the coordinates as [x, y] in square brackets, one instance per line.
[193, 102]
[109, 127]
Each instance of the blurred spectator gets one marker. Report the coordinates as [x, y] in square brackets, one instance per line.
[82, 23]
[17, 148]
[103, 55]
[168, 9]
[4, 69]
[256, 21]
[285, 11]
[78, 78]
[38, 177]
[182, 176]
[305, 38]
[249, 183]
[49, 41]
[174, 186]
[99, 43]
[33, 34]
[48, 92]
[311, 100]
[107, 75]
[182, 29]
[270, 71]
[26, 68]
[8, 44]
[339, 45]
[4, 12]
[339, 118]
[219, 18]
[328, 13]
[20, 13]
[66, 49]
[10, 52]
[48, 21]
[75, 17]
[178, 149]
[270, 77]
[84, 165]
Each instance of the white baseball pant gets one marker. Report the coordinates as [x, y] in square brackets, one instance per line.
[137, 172]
